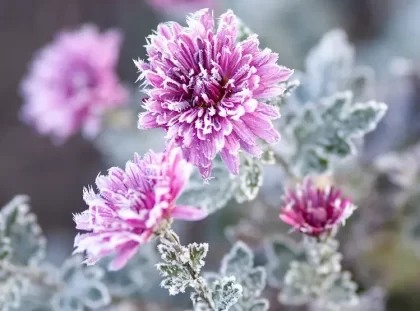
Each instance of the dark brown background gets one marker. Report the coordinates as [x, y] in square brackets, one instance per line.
[30, 164]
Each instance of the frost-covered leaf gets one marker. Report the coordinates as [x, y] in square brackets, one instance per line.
[319, 279]
[22, 246]
[239, 260]
[329, 122]
[180, 266]
[249, 180]
[239, 263]
[280, 252]
[13, 287]
[198, 253]
[225, 293]
[213, 195]
[83, 287]
[329, 65]
[137, 277]
[26, 244]
[326, 131]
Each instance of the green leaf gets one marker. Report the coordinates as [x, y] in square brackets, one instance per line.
[226, 293]
[239, 263]
[238, 260]
[362, 118]
[198, 253]
[280, 252]
[96, 296]
[25, 240]
[326, 131]
[249, 180]
[213, 195]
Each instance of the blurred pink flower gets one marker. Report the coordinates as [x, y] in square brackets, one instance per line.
[181, 5]
[314, 211]
[132, 205]
[72, 82]
[207, 89]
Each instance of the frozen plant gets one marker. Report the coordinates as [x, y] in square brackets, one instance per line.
[215, 93]
[318, 279]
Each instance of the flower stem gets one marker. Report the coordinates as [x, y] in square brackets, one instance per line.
[171, 237]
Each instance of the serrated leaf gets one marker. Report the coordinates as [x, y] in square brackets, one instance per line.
[12, 290]
[312, 162]
[326, 131]
[329, 64]
[25, 243]
[239, 259]
[96, 296]
[198, 253]
[84, 288]
[213, 195]
[255, 281]
[239, 263]
[280, 252]
[249, 180]
[226, 293]
[362, 118]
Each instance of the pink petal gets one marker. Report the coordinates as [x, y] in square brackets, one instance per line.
[231, 161]
[123, 256]
[186, 212]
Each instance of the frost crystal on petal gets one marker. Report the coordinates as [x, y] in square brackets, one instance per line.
[315, 211]
[131, 205]
[207, 90]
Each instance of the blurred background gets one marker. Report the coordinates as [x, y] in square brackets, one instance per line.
[384, 32]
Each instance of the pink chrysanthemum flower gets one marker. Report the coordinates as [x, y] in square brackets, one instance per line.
[132, 205]
[72, 82]
[314, 211]
[181, 5]
[207, 90]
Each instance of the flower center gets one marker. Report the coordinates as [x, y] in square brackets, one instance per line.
[207, 89]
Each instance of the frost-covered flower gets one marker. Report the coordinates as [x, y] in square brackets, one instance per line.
[72, 82]
[133, 204]
[181, 5]
[314, 211]
[207, 89]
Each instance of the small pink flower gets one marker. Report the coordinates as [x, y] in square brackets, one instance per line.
[314, 211]
[131, 205]
[207, 90]
[72, 82]
[181, 5]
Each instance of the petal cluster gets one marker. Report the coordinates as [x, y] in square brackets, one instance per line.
[72, 82]
[315, 211]
[208, 91]
[131, 205]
